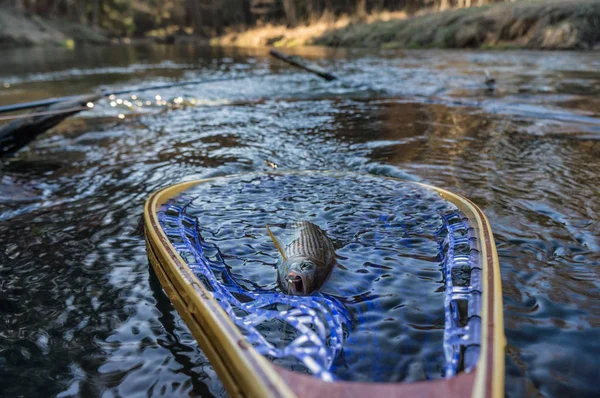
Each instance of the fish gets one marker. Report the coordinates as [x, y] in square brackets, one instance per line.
[307, 262]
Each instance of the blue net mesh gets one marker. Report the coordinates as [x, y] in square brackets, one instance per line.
[312, 329]
[314, 325]
[462, 274]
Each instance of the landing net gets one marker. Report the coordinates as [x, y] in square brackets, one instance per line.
[311, 328]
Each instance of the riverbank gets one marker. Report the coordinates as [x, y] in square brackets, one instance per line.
[18, 29]
[529, 24]
[536, 24]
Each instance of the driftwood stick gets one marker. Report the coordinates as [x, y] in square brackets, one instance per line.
[18, 133]
[303, 64]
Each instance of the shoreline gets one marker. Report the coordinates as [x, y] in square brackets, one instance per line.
[528, 24]
[535, 24]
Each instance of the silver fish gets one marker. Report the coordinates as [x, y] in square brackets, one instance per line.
[307, 261]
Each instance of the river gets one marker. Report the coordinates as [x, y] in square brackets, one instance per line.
[82, 314]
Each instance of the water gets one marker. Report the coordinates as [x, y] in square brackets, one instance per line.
[82, 314]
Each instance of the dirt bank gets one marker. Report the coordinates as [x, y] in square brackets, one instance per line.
[535, 24]
[18, 29]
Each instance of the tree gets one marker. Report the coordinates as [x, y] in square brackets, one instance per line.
[289, 7]
[95, 13]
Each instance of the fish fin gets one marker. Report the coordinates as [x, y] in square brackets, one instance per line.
[277, 243]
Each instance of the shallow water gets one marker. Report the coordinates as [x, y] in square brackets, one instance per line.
[82, 314]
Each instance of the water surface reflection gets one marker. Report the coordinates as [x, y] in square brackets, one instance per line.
[81, 313]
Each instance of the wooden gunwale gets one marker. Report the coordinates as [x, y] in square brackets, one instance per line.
[244, 372]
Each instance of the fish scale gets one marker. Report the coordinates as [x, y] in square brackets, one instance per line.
[312, 242]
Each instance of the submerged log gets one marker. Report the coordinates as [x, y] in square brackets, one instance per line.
[20, 132]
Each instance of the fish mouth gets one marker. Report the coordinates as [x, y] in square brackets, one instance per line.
[296, 284]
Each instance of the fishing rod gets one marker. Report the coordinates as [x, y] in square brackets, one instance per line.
[25, 128]
[292, 60]
[47, 113]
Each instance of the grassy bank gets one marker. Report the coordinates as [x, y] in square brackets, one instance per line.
[535, 24]
[282, 36]
[18, 29]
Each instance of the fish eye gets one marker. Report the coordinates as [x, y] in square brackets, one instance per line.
[306, 266]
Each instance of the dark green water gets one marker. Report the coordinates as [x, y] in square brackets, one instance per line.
[82, 315]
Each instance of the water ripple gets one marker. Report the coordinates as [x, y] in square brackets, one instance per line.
[82, 314]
